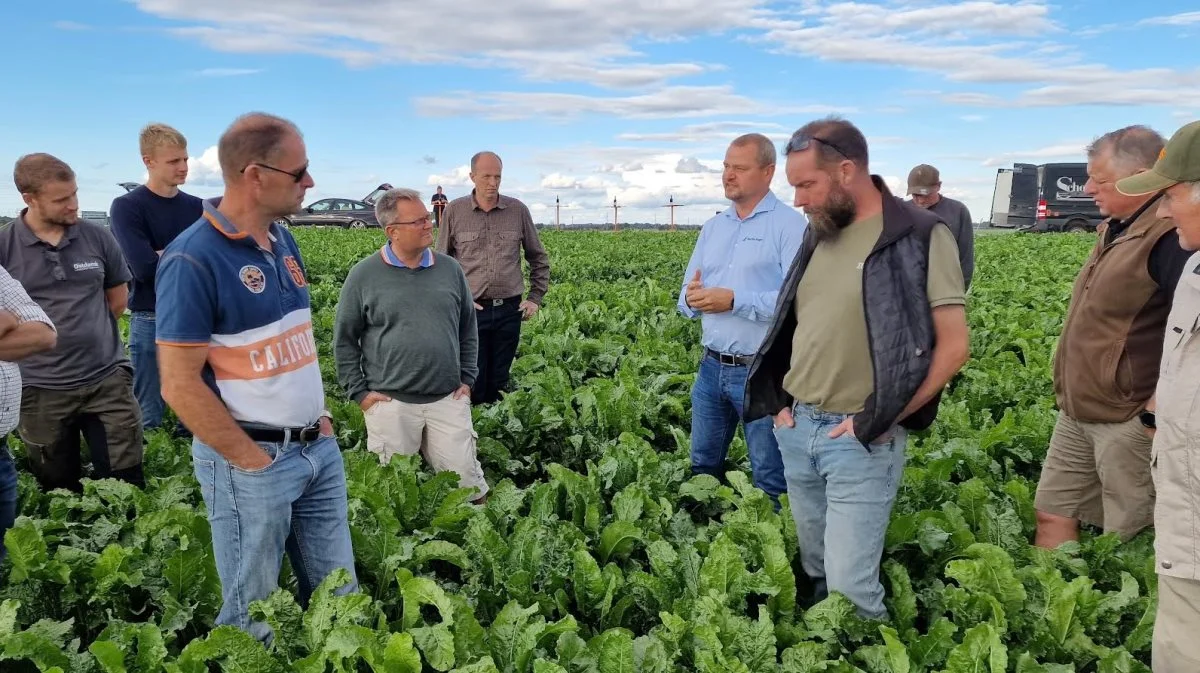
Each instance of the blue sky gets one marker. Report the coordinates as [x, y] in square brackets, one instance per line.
[610, 98]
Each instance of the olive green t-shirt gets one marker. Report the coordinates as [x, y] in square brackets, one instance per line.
[831, 356]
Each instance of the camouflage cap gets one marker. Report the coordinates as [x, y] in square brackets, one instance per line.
[1178, 162]
[922, 179]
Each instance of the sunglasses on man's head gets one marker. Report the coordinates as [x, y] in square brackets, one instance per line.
[801, 142]
[296, 176]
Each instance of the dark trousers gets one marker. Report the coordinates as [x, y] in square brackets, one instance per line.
[105, 412]
[8, 493]
[499, 334]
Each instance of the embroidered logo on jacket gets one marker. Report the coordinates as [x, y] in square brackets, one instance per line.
[253, 278]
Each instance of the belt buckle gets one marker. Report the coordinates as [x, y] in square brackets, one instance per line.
[497, 302]
[310, 434]
[727, 358]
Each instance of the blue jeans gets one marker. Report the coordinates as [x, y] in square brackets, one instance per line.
[297, 505]
[716, 411]
[841, 496]
[8, 494]
[144, 355]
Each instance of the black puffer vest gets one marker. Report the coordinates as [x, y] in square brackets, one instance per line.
[899, 325]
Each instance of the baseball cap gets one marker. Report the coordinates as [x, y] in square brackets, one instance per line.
[922, 179]
[1178, 162]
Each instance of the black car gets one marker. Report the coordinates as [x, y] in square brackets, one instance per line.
[338, 212]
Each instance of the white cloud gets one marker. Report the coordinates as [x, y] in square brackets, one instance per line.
[972, 42]
[665, 103]
[459, 176]
[1182, 19]
[227, 72]
[709, 132]
[694, 165]
[560, 182]
[586, 42]
[1072, 150]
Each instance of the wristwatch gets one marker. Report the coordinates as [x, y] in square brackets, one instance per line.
[1148, 420]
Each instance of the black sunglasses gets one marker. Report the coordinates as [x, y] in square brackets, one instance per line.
[54, 258]
[801, 142]
[296, 177]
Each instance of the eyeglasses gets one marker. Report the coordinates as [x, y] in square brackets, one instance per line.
[296, 176]
[801, 142]
[419, 222]
[53, 257]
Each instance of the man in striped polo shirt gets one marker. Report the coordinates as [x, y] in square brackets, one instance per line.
[239, 365]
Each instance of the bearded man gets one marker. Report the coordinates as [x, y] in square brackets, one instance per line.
[869, 328]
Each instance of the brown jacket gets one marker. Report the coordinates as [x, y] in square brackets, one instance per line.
[1106, 364]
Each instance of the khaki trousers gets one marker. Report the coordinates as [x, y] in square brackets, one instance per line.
[1176, 647]
[441, 431]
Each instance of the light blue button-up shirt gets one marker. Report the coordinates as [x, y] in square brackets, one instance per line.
[750, 256]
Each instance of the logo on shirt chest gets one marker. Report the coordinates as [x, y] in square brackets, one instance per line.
[90, 265]
[253, 278]
[296, 272]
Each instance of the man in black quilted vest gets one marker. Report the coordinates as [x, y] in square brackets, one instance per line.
[870, 327]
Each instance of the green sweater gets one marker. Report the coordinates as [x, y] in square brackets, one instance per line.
[407, 333]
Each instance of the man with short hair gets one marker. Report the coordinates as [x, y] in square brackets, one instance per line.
[145, 221]
[732, 283]
[871, 326]
[405, 344]
[239, 366]
[925, 186]
[439, 202]
[1175, 181]
[1097, 469]
[486, 231]
[25, 330]
[75, 271]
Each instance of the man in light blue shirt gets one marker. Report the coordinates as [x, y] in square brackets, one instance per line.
[732, 282]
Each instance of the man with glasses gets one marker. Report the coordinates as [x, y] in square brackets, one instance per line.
[732, 283]
[486, 231]
[76, 272]
[405, 342]
[871, 327]
[239, 366]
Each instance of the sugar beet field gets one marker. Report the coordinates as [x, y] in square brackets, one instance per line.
[597, 551]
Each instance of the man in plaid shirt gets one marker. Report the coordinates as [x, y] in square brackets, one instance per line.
[24, 330]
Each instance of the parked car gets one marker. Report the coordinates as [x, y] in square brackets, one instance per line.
[338, 212]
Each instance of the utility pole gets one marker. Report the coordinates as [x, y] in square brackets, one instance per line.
[672, 205]
[557, 219]
[616, 210]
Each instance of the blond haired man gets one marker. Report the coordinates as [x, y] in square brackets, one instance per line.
[145, 221]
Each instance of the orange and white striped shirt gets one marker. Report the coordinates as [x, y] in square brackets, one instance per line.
[217, 288]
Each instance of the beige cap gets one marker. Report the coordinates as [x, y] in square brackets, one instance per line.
[923, 179]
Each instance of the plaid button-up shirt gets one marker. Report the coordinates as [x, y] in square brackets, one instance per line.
[15, 300]
[488, 247]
